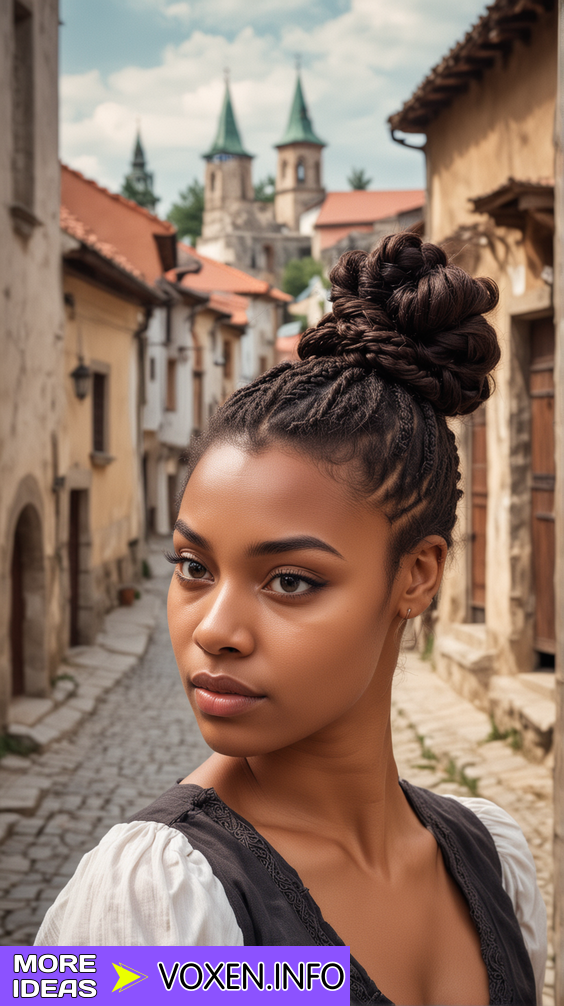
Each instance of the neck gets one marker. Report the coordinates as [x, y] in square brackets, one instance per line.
[341, 782]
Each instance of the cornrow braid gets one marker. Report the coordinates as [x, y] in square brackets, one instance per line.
[406, 345]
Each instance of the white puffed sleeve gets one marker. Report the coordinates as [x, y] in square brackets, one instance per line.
[143, 885]
[519, 877]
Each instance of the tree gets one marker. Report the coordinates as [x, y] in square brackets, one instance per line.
[264, 190]
[298, 272]
[187, 212]
[142, 196]
[358, 179]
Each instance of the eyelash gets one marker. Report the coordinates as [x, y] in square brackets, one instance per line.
[175, 559]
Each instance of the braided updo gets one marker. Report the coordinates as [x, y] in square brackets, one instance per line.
[405, 346]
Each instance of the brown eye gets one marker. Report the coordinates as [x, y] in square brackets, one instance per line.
[192, 570]
[289, 583]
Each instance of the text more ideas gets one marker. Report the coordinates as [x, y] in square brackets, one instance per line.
[54, 988]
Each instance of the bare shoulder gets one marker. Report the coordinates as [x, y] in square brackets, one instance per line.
[214, 772]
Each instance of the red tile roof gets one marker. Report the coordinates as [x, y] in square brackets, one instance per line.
[116, 221]
[221, 278]
[233, 305]
[366, 207]
[343, 212]
[77, 229]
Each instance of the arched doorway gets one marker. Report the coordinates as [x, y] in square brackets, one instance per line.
[27, 613]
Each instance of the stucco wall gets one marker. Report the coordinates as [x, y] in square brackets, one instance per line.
[100, 327]
[501, 128]
[30, 338]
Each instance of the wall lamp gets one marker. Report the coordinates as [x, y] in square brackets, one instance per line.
[81, 377]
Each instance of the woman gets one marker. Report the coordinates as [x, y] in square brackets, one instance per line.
[315, 521]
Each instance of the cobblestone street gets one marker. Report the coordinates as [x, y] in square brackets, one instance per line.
[141, 738]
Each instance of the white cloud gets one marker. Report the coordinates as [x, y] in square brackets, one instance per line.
[359, 66]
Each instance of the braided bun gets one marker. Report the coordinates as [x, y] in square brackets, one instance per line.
[406, 313]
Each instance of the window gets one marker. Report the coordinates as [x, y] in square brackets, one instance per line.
[300, 172]
[227, 359]
[317, 174]
[22, 108]
[284, 168]
[171, 385]
[268, 253]
[99, 413]
[212, 181]
[152, 368]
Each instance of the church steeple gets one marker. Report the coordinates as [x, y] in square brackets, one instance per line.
[299, 128]
[138, 184]
[299, 184]
[227, 139]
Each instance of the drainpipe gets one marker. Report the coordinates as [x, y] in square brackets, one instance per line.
[559, 518]
[140, 335]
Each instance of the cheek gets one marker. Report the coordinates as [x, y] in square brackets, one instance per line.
[328, 655]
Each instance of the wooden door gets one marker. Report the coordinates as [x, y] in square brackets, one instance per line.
[479, 506]
[17, 616]
[74, 565]
[543, 473]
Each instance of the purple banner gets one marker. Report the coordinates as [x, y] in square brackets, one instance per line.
[317, 975]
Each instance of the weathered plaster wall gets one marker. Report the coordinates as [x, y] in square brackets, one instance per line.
[30, 338]
[502, 127]
[101, 327]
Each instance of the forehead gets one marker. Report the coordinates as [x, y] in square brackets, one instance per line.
[275, 492]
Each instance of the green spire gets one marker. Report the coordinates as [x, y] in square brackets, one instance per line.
[138, 154]
[138, 184]
[299, 128]
[227, 139]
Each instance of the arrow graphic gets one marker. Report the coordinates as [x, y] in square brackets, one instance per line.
[127, 976]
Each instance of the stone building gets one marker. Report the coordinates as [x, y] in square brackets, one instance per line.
[108, 304]
[487, 111]
[31, 344]
[193, 363]
[239, 230]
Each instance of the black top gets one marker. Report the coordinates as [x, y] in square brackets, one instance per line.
[273, 908]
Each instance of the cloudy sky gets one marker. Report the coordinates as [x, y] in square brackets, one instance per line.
[162, 61]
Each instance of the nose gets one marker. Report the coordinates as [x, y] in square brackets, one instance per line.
[224, 628]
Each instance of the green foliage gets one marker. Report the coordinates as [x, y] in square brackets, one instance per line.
[298, 272]
[458, 775]
[427, 653]
[264, 190]
[358, 179]
[426, 751]
[12, 744]
[146, 571]
[143, 197]
[187, 213]
[512, 736]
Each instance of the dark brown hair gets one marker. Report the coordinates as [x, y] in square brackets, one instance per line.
[405, 346]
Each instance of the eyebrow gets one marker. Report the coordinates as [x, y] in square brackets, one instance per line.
[297, 543]
[192, 536]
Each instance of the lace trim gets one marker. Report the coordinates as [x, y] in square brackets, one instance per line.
[500, 989]
[294, 893]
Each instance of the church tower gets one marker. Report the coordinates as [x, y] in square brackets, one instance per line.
[298, 176]
[138, 184]
[228, 166]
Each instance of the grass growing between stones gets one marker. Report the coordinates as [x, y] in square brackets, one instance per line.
[513, 737]
[11, 744]
[453, 773]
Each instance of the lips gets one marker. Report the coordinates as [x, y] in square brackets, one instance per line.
[222, 683]
[220, 695]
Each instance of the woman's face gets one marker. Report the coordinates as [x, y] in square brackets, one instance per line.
[280, 612]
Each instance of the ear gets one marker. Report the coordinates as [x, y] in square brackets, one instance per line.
[422, 571]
